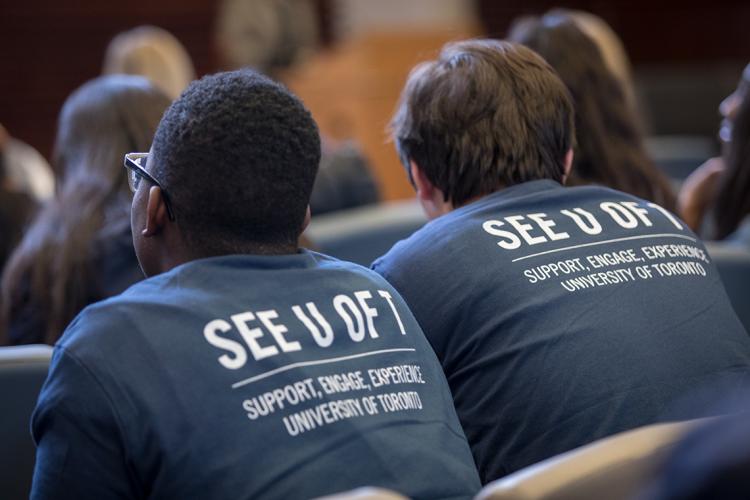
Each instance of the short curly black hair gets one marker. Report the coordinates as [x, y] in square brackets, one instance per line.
[237, 154]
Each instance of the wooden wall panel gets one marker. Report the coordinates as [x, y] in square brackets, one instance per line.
[658, 31]
[50, 47]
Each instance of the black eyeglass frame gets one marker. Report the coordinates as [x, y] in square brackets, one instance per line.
[131, 163]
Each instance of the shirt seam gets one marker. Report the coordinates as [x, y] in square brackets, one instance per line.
[92, 375]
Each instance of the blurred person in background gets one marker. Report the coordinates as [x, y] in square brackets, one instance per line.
[154, 53]
[269, 36]
[78, 250]
[25, 170]
[274, 37]
[732, 204]
[609, 147]
[717, 194]
[16, 207]
[612, 50]
[344, 178]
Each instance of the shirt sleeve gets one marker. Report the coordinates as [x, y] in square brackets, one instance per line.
[80, 450]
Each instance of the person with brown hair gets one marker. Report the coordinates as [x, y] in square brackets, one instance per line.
[151, 52]
[561, 315]
[609, 147]
[78, 249]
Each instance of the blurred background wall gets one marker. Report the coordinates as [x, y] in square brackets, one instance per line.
[686, 56]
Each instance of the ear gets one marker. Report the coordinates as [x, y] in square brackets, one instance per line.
[430, 197]
[425, 189]
[156, 213]
[567, 165]
[306, 222]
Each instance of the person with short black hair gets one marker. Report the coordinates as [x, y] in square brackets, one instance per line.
[243, 367]
[228, 142]
[560, 315]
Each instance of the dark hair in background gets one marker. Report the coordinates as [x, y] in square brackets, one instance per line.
[486, 114]
[52, 267]
[237, 154]
[609, 144]
[733, 194]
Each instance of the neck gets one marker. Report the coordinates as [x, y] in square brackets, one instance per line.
[176, 249]
[444, 207]
[469, 201]
[242, 249]
[201, 249]
[173, 258]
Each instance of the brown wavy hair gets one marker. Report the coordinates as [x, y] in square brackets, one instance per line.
[52, 267]
[609, 146]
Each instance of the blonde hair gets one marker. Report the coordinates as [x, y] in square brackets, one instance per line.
[267, 35]
[154, 53]
[611, 47]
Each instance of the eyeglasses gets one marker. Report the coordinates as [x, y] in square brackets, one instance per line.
[134, 162]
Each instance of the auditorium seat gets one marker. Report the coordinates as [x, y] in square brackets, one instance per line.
[22, 372]
[734, 268]
[361, 235]
[614, 468]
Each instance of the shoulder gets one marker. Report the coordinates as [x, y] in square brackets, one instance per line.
[594, 193]
[597, 193]
[95, 326]
[418, 246]
[430, 242]
[328, 263]
[102, 325]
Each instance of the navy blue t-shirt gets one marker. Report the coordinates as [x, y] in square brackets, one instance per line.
[562, 315]
[249, 377]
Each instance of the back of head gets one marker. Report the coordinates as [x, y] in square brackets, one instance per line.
[100, 122]
[609, 146]
[485, 115]
[733, 196]
[237, 153]
[609, 44]
[151, 52]
[266, 35]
